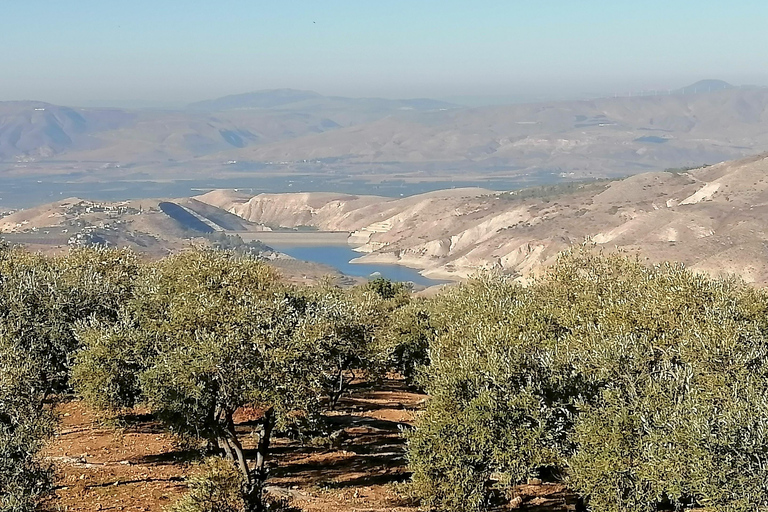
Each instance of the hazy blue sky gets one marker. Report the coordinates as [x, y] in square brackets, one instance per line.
[109, 51]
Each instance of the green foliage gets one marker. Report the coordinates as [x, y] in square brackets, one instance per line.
[195, 337]
[336, 334]
[25, 427]
[555, 190]
[218, 487]
[107, 369]
[41, 300]
[386, 289]
[208, 333]
[223, 242]
[205, 334]
[492, 417]
[642, 386]
[408, 334]
[684, 170]
[639, 387]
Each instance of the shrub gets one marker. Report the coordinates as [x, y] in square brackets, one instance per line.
[337, 331]
[641, 386]
[218, 487]
[407, 337]
[41, 300]
[208, 333]
[25, 426]
[495, 414]
[387, 289]
[107, 368]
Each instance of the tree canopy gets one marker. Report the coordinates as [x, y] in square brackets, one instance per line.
[210, 333]
[638, 385]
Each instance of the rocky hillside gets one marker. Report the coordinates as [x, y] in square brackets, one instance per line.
[305, 135]
[151, 226]
[606, 137]
[713, 219]
[33, 131]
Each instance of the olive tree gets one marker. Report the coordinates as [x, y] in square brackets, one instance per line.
[340, 331]
[25, 426]
[218, 487]
[205, 336]
[210, 333]
[637, 386]
[495, 413]
[407, 336]
[41, 300]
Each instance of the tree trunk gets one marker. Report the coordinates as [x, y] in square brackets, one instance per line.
[264, 440]
[341, 387]
[234, 443]
[254, 480]
[224, 445]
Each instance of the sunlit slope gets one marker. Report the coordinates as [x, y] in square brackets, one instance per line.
[38, 131]
[714, 219]
[149, 225]
[608, 136]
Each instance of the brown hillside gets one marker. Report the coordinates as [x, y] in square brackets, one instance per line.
[712, 219]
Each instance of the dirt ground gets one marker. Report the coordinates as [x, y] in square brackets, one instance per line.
[140, 468]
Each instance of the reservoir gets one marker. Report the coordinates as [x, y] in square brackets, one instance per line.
[339, 256]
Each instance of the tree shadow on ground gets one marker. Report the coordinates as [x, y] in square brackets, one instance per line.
[369, 404]
[369, 480]
[347, 421]
[137, 481]
[170, 458]
[354, 464]
[371, 451]
[136, 423]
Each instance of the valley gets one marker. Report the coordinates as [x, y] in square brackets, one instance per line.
[384, 257]
[712, 219]
[287, 140]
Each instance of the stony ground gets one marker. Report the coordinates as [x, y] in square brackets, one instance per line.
[139, 467]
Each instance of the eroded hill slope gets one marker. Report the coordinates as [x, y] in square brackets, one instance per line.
[713, 219]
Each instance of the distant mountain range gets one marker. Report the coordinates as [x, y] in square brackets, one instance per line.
[35, 131]
[609, 136]
[308, 100]
[706, 122]
[703, 86]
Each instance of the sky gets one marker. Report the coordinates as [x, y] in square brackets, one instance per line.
[170, 52]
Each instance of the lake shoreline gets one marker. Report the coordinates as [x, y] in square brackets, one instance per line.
[296, 238]
[292, 242]
[341, 257]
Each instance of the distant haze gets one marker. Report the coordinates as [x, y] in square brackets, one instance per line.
[170, 53]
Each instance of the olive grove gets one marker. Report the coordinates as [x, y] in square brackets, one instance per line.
[638, 387]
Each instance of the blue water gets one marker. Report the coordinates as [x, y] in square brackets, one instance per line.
[338, 256]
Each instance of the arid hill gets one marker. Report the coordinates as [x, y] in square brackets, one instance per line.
[37, 131]
[310, 136]
[143, 225]
[712, 219]
[33, 130]
[608, 137]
